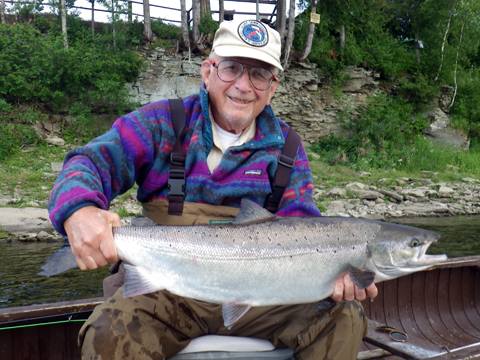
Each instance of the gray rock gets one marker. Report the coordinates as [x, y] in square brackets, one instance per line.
[55, 140]
[368, 195]
[24, 220]
[392, 194]
[56, 166]
[423, 181]
[445, 191]
[470, 180]
[356, 186]
[336, 192]
[43, 236]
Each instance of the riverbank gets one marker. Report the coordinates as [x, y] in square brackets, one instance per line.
[382, 199]
[407, 197]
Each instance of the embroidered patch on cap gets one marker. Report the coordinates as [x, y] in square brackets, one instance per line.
[253, 33]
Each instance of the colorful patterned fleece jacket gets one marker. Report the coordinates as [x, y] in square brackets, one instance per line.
[137, 149]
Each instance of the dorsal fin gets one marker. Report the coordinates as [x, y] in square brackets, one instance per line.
[250, 212]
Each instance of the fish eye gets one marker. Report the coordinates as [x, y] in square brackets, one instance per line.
[414, 243]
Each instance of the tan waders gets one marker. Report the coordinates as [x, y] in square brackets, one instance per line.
[159, 325]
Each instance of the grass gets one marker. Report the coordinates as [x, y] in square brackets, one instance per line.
[27, 176]
[427, 161]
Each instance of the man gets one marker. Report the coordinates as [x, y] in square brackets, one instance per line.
[232, 142]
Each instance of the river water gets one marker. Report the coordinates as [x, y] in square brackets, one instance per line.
[19, 263]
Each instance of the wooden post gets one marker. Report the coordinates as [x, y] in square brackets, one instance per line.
[147, 29]
[185, 35]
[221, 11]
[63, 12]
[130, 12]
[2, 11]
[93, 17]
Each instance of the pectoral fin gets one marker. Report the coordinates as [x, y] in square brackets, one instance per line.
[362, 279]
[232, 312]
[138, 282]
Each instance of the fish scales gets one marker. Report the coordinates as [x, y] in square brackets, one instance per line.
[249, 263]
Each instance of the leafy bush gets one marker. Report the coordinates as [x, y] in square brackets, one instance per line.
[381, 134]
[418, 90]
[37, 68]
[16, 130]
[42, 24]
[207, 24]
[465, 110]
[166, 31]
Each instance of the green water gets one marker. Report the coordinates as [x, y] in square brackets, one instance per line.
[20, 285]
[460, 235]
[19, 263]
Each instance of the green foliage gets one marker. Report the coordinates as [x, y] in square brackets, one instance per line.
[368, 43]
[207, 24]
[466, 109]
[430, 156]
[85, 126]
[380, 134]
[134, 32]
[42, 24]
[16, 129]
[166, 31]
[419, 155]
[37, 68]
[418, 90]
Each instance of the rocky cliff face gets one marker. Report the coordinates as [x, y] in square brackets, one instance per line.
[303, 99]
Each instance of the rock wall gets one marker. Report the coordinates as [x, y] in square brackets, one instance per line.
[303, 99]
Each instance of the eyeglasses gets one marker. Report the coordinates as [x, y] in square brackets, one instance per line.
[230, 70]
[395, 334]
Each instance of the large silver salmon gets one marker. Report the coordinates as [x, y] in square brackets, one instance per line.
[261, 259]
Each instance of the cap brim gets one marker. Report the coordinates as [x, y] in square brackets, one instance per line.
[246, 52]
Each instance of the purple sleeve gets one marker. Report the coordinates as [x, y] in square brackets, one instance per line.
[107, 166]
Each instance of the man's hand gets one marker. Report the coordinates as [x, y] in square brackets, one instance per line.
[345, 290]
[90, 235]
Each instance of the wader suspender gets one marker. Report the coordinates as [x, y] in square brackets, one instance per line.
[286, 161]
[176, 175]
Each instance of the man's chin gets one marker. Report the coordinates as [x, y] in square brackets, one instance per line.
[239, 120]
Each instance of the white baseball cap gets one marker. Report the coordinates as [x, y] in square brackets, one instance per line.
[250, 39]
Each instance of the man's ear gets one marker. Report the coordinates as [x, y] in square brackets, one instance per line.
[205, 71]
[271, 91]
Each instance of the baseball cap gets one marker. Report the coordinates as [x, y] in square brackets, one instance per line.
[250, 39]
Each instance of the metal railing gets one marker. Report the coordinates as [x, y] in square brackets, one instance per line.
[189, 18]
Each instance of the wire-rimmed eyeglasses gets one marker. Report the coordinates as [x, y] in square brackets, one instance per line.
[231, 70]
[395, 334]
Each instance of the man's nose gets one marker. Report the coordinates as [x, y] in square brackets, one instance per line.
[244, 80]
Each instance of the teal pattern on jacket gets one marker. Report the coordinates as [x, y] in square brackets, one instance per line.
[137, 150]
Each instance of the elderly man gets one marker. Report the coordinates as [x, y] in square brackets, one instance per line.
[231, 142]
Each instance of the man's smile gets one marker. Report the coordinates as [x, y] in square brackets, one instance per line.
[240, 101]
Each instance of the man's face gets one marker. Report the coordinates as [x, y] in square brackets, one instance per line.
[236, 104]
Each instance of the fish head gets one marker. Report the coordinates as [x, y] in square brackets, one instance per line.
[399, 250]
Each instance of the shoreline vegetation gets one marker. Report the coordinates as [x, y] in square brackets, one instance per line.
[384, 168]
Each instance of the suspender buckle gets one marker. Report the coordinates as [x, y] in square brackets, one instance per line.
[273, 199]
[177, 159]
[286, 161]
[176, 183]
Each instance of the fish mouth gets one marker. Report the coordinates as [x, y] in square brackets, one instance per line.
[424, 259]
